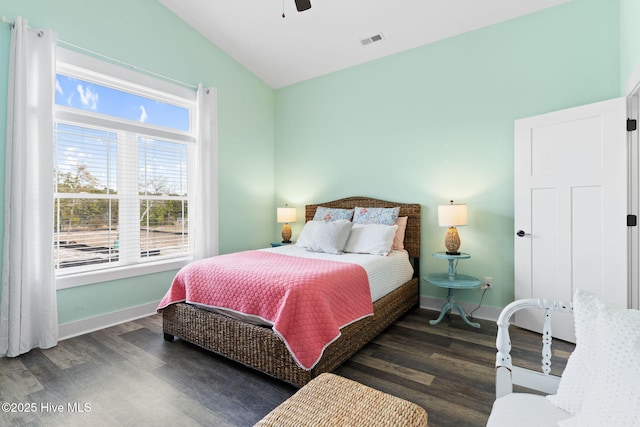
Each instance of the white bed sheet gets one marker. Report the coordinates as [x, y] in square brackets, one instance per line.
[386, 273]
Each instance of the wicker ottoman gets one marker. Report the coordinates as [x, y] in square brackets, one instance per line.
[330, 400]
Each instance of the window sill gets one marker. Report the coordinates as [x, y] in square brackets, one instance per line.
[92, 277]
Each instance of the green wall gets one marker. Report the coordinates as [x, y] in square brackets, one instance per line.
[436, 123]
[629, 38]
[146, 34]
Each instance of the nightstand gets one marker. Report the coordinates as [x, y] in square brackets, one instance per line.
[452, 282]
[276, 244]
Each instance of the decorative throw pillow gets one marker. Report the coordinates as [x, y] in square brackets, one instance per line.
[398, 239]
[386, 216]
[577, 375]
[613, 395]
[307, 233]
[330, 237]
[375, 239]
[332, 214]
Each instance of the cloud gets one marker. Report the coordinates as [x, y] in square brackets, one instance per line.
[88, 98]
[59, 89]
[143, 114]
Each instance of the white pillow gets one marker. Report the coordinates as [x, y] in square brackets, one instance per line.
[612, 397]
[375, 239]
[307, 233]
[578, 373]
[330, 237]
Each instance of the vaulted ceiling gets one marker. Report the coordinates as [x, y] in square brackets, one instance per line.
[335, 34]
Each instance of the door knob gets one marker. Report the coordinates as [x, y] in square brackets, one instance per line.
[521, 233]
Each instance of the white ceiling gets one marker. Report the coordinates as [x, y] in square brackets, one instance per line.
[327, 37]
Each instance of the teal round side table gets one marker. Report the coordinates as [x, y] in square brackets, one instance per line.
[452, 282]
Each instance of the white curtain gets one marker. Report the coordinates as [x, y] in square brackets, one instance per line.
[205, 224]
[28, 309]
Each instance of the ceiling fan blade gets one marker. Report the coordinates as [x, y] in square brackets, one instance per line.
[303, 5]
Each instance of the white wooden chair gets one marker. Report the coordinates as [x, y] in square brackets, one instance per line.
[525, 409]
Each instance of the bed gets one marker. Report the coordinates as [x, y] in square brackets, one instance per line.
[260, 348]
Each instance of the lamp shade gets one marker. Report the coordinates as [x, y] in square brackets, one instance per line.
[286, 215]
[452, 215]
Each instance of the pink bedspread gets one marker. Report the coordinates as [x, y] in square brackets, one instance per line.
[307, 300]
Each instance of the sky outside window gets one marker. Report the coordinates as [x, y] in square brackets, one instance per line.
[76, 93]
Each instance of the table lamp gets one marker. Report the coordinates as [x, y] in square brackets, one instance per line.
[452, 216]
[286, 215]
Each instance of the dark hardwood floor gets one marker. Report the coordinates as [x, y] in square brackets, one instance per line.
[128, 375]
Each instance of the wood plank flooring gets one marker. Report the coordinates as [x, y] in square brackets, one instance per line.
[128, 375]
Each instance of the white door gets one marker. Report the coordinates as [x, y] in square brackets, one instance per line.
[571, 198]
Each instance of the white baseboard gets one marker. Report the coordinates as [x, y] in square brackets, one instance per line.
[84, 326]
[484, 312]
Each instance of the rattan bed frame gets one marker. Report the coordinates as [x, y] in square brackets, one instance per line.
[260, 348]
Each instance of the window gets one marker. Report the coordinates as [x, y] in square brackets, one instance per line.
[123, 167]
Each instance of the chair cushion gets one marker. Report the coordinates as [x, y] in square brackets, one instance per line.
[578, 374]
[613, 395]
[525, 410]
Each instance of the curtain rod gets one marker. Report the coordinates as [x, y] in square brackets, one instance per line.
[113, 60]
[99, 55]
[10, 23]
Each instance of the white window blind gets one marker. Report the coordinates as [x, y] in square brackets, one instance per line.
[86, 208]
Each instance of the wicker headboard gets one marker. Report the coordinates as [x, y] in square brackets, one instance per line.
[412, 234]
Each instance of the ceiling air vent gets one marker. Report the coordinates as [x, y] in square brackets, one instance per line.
[369, 40]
